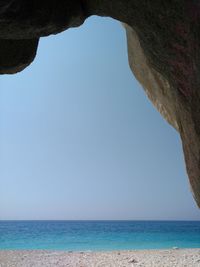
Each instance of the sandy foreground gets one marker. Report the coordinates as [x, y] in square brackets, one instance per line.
[41, 258]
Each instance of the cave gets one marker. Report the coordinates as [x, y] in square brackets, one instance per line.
[163, 46]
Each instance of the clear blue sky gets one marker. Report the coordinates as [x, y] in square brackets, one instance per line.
[80, 140]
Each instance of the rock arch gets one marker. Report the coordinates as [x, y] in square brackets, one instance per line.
[163, 43]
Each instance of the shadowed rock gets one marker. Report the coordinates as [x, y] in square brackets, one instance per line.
[22, 22]
[163, 43]
[16, 54]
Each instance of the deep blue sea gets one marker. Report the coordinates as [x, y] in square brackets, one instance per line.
[98, 235]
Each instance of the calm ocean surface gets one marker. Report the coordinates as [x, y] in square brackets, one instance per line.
[98, 235]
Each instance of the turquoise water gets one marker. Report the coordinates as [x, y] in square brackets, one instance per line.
[98, 235]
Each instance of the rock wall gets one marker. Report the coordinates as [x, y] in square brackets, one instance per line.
[155, 85]
[168, 68]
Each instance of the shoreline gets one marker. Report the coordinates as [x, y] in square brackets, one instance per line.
[98, 251]
[121, 258]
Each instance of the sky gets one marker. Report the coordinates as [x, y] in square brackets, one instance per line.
[79, 139]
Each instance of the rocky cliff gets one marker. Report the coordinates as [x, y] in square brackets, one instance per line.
[163, 44]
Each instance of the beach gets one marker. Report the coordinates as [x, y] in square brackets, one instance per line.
[148, 258]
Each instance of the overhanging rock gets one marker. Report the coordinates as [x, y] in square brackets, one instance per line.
[163, 43]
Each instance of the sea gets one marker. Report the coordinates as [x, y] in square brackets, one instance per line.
[98, 235]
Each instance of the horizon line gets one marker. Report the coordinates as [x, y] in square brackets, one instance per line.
[103, 220]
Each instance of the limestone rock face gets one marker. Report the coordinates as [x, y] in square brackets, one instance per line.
[164, 52]
[177, 110]
[155, 85]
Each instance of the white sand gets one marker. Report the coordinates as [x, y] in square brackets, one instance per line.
[147, 258]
